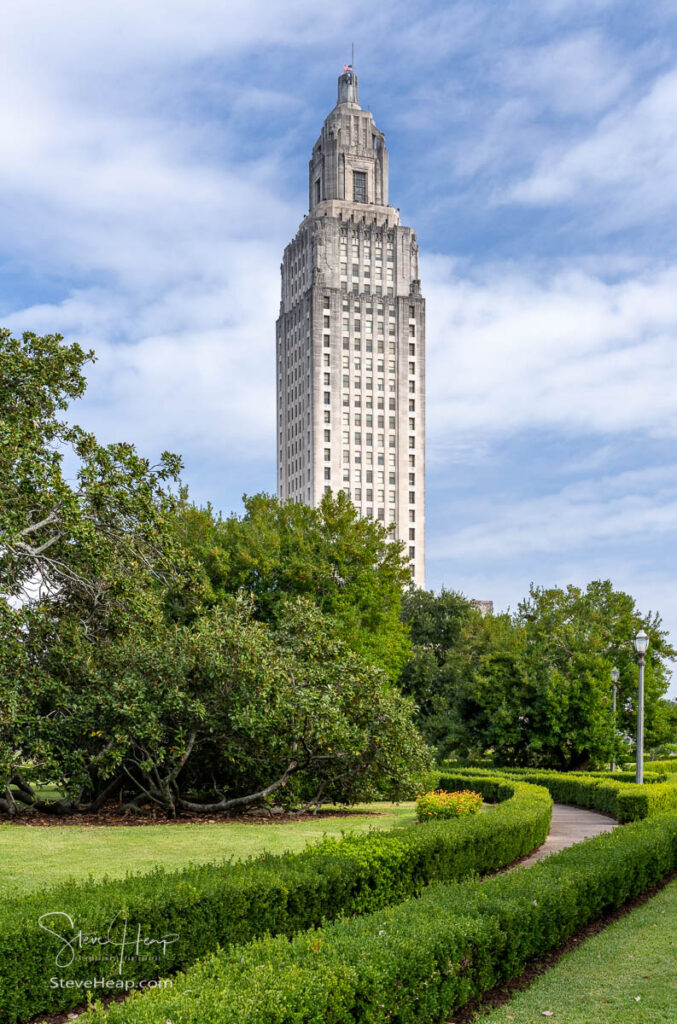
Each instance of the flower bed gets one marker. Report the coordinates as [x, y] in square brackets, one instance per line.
[440, 804]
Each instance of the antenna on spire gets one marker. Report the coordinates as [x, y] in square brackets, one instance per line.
[352, 56]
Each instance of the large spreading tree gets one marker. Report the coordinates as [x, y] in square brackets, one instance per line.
[157, 655]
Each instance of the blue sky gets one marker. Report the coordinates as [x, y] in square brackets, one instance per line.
[154, 165]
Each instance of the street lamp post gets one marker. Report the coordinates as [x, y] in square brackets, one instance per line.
[641, 645]
[615, 675]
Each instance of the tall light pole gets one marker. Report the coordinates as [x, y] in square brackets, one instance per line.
[615, 676]
[641, 645]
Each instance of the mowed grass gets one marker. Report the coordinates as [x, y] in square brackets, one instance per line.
[625, 975]
[35, 857]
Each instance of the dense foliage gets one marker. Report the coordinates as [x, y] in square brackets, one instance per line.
[214, 905]
[534, 688]
[346, 564]
[156, 655]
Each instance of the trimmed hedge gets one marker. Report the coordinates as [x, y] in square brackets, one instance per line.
[418, 962]
[668, 766]
[208, 906]
[625, 801]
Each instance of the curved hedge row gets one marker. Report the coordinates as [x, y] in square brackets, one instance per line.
[668, 766]
[423, 959]
[625, 801]
[208, 906]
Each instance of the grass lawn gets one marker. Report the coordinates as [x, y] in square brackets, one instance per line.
[36, 858]
[601, 980]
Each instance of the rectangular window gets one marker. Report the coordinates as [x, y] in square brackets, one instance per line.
[359, 186]
[358, 494]
[412, 479]
[412, 552]
[327, 379]
[412, 423]
[327, 435]
[391, 497]
[327, 302]
[412, 350]
[346, 476]
[327, 321]
[327, 398]
[317, 191]
[327, 416]
[327, 359]
[412, 405]
[327, 473]
[412, 515]
[412, 497]
[327, 454]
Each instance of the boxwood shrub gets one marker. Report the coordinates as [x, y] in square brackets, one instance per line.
[218, 905]
[625, 801]
[419, 961]
[668, 766]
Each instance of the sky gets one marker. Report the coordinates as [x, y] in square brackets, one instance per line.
[154, 166]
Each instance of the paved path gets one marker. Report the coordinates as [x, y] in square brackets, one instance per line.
[570, 825]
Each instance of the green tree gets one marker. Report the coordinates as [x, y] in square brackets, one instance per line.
[431, 676]
[82, 546]
[346, 564]
[537, 686]
[220, 714]
[153, 652]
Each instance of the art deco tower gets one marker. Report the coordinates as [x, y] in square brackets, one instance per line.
[351, 337]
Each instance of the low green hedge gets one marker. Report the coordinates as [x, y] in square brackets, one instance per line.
[418, 962]
[209, 906]
[668, 766]
[625, 801]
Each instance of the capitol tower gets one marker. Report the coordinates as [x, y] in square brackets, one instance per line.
[351, 338]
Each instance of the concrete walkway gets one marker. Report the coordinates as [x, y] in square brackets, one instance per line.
[570, 825]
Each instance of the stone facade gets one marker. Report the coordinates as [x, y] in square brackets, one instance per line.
[351, 338]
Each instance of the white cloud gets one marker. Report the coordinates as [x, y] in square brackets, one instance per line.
[630, 158]
[576, 75]
[595, 511]
[509, 349]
